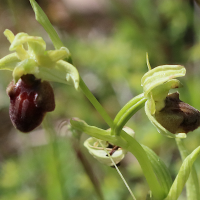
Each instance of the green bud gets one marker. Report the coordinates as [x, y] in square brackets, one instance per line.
[96, 149]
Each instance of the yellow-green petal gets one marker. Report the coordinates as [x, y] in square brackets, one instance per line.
[27, 66]
[51, 57]
[9, 62]
[9, 34]
[36, 45]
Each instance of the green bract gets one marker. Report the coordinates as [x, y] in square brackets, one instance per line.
[156, 85]
[45, 65]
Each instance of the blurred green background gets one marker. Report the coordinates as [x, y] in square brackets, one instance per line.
[108, 40]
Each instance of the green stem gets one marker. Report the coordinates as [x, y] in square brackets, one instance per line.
[127, 112]
[130, 144]
[95, 103]
[192, 185]
[136, 149]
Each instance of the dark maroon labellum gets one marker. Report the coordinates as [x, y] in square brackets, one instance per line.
[30, 99]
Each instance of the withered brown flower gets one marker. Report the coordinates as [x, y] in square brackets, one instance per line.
[178, 116]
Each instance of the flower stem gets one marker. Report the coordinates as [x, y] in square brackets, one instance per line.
[136, 149]
[192, 185]
[127, 112]
[95, 103]
[128, 143]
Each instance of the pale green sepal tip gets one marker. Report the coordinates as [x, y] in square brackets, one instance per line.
[159, 127]
[35, 44]
[65, 49]
[183, 174]
[56, 55]
[72, 75]
[9, 34]
[97, 151]
[9, 62]
[19, 40]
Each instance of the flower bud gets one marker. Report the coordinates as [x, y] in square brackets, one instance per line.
[30, 99]
[96, 149]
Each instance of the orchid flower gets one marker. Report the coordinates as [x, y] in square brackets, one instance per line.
[31, 96]
[171, 116]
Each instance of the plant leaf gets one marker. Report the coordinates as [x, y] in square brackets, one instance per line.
[44, 21]
[160, 169]
[183, 175]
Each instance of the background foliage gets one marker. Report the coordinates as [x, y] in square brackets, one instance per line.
[108, 41]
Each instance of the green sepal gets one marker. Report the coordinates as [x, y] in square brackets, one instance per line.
[9, 62]
[160, 75]
[27, 66]
[183, 175]
[62, 72]
[49, 58]
[159, 127]
[35, 44]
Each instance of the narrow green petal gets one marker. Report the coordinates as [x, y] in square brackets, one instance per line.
[160, 75]
[27, 66]
[36, 45]
[21, 52]
[183, 175]
[9, 34]
[9, 62]
[51, 57]
[159, 127]
[57, 55]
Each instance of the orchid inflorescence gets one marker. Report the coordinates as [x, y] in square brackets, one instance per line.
[31, 96]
